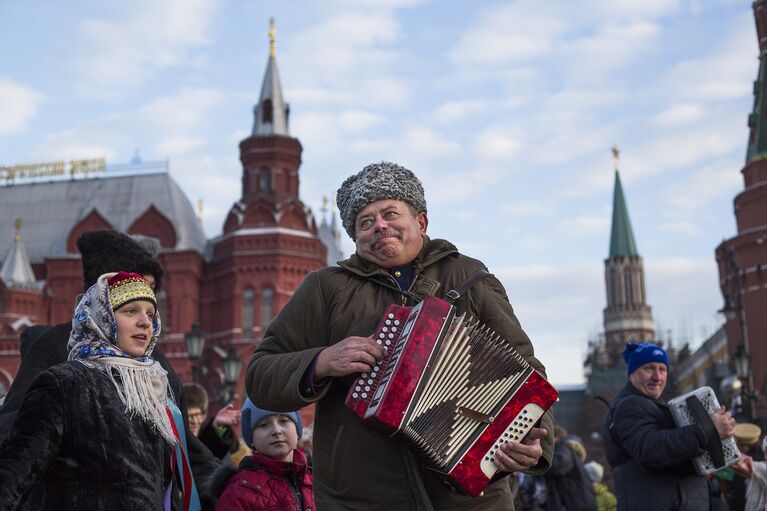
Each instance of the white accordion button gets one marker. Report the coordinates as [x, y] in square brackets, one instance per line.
[515, 431]
[391, 316]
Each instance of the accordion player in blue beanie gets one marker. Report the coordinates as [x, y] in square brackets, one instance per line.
[650, 456]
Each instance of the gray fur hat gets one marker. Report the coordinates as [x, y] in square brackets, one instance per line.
[378, 181]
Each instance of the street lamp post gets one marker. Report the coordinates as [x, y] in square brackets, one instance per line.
[232, 366]
[734, 311]
[195, 344]
[742, 361]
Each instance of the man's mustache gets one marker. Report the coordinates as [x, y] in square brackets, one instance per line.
[384, 234]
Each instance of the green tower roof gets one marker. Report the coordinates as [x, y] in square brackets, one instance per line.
[622, 237]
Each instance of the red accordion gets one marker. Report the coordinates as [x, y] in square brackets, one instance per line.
[450, 388]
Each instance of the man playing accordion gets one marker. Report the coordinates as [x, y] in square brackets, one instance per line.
[650, 456]
[313, 349]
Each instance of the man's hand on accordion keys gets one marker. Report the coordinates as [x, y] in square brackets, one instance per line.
[349, 356]
[518, 456]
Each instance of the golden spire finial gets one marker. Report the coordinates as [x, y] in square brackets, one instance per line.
[616, 155]
[18, 229]
[272, 32]
[199, 209]
[325, 202]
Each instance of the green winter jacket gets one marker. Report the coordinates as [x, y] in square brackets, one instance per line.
[606, 501]
[356, 468]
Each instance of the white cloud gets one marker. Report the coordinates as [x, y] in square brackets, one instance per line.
[557, 306]
[458, 110]
[344, 47]
[683, 227]
[690, 197]
[723, 74]
[532, 208]
[462, 184]
[583, 226]
[169, 123]
[509, 34]
[630, 9]
[679, 114]
[427, 142]
[19, 105]
[116, 55]
[73, 144]
[179, 145]
[493, 143]
[356, 121]
[382, 91]
[596, 56]
[185, 111]
[680, 289]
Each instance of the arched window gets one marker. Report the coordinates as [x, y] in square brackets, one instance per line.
[265, 180]
[247, 313]
[267, 111]
[267, 306]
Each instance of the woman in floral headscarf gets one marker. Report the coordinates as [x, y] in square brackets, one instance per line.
[95, 430]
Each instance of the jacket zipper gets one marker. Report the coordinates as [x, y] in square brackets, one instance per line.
[403, 296]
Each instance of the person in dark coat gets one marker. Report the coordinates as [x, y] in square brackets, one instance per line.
[94, 430]
[568, 486]
[217, 433]
[320, 340]
[102, 251]
[651, 458]
[276, 477]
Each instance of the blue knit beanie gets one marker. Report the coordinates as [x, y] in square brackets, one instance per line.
[251, 414]
[638, 354]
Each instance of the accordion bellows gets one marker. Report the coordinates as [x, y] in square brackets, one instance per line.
[450, 388]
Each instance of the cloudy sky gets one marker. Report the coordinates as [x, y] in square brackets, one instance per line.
[507, 110]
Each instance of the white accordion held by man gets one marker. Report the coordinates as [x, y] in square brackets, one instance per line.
[696, 407]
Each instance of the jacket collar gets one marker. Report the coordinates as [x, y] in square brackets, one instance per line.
[431, 252]
[281, 468]
[631, 390]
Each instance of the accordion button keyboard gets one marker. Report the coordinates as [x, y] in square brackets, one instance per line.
[515, 432]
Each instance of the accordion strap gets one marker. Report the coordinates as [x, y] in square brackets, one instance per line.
[455, 294]
[702, 419]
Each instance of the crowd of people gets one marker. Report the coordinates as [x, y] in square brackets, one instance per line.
[97, 418]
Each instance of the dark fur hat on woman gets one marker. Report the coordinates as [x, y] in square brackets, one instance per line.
[108, 251]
